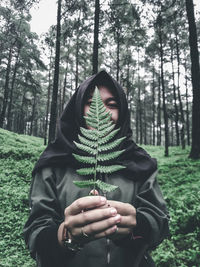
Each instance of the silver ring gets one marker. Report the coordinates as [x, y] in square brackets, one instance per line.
[83, 233]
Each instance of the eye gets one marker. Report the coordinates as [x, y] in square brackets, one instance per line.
[112, 105]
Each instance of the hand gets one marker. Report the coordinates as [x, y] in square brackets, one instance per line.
[128, 218]
[85, 216]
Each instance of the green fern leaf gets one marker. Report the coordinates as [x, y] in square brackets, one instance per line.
[87, 142]
[85, 183]
[109, 156]
[109, 169]
[105, 187]
[86, 171]
[106, 131]
[86, 148]
[108, 137]
[111, 145]
[90, 134]
[85, 159]
[97, 142]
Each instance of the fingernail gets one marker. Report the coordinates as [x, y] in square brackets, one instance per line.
[103, 199]
[113, 211]
[117, 218]
[114, 228]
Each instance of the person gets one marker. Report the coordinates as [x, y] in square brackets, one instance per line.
[67, 226]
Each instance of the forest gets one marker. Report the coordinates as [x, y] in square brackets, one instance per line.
[151, 47]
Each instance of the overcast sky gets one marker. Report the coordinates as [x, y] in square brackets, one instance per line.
[44, 15]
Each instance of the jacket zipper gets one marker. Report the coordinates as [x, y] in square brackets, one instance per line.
[107, 240]
[108, 250]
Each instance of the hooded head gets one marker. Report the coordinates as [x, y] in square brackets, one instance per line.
[59, 153]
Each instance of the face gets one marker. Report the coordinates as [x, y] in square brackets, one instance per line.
[109, 101]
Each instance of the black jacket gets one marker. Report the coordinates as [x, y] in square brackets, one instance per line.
[52, 191]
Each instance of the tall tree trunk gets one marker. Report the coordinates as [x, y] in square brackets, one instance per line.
[175, 99]
[21, 124]
[153, 108]
[187, 106]
[10, 106]
[6, 89]
[118, 51]
[159, 129]
[33, 113]
[48, 101]
[179, 94]
[163, 89]
[53, 116]
[195, 69]
[139, 105]
[96, 38]
[77, 61]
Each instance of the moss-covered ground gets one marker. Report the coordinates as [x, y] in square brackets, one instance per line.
[179, 178]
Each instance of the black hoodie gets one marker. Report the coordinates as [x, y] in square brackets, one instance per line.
[53, 190]
[139, 165]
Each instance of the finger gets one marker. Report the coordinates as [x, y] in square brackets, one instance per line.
[101, 226]
[88, 202]
[106, 233]
[122, 208]
[128, 222]
[93, 215]
[94, 192]
[120, 233]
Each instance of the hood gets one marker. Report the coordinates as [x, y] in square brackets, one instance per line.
[59, 153]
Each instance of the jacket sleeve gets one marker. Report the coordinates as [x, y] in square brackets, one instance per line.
[45, 212]
[152, 216]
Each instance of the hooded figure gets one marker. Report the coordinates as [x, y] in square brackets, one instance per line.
[68, 228]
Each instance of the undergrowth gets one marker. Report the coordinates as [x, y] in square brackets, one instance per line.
[178, 178]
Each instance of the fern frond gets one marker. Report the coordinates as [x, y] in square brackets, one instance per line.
[111, 145]
[106, 131]
[106, 188]
[87, 142]
[104, 121]
[108, 137]
[86, 171]
[97, 142]
[84, 159]
[104, 126]
[86, 148]
[109, 169]
[109, 156]
[90, 134]
[85, 183]
[99, 184]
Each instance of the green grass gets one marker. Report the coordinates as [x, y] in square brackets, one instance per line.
[18, 154]
[178, 178]
[180, 183]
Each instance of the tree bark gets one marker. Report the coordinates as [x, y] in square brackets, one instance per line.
[195, 70]
[10, 106]
[159, 129]
[118, 51]
[187, 106]
[53, 115]
[163, 88]
[153, 109]
[6, 89]
[175, 99]
[96, 38]
[179, 94]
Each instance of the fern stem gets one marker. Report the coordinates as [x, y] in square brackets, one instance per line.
[96, 156]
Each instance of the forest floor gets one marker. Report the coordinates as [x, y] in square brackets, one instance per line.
[179, 178]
